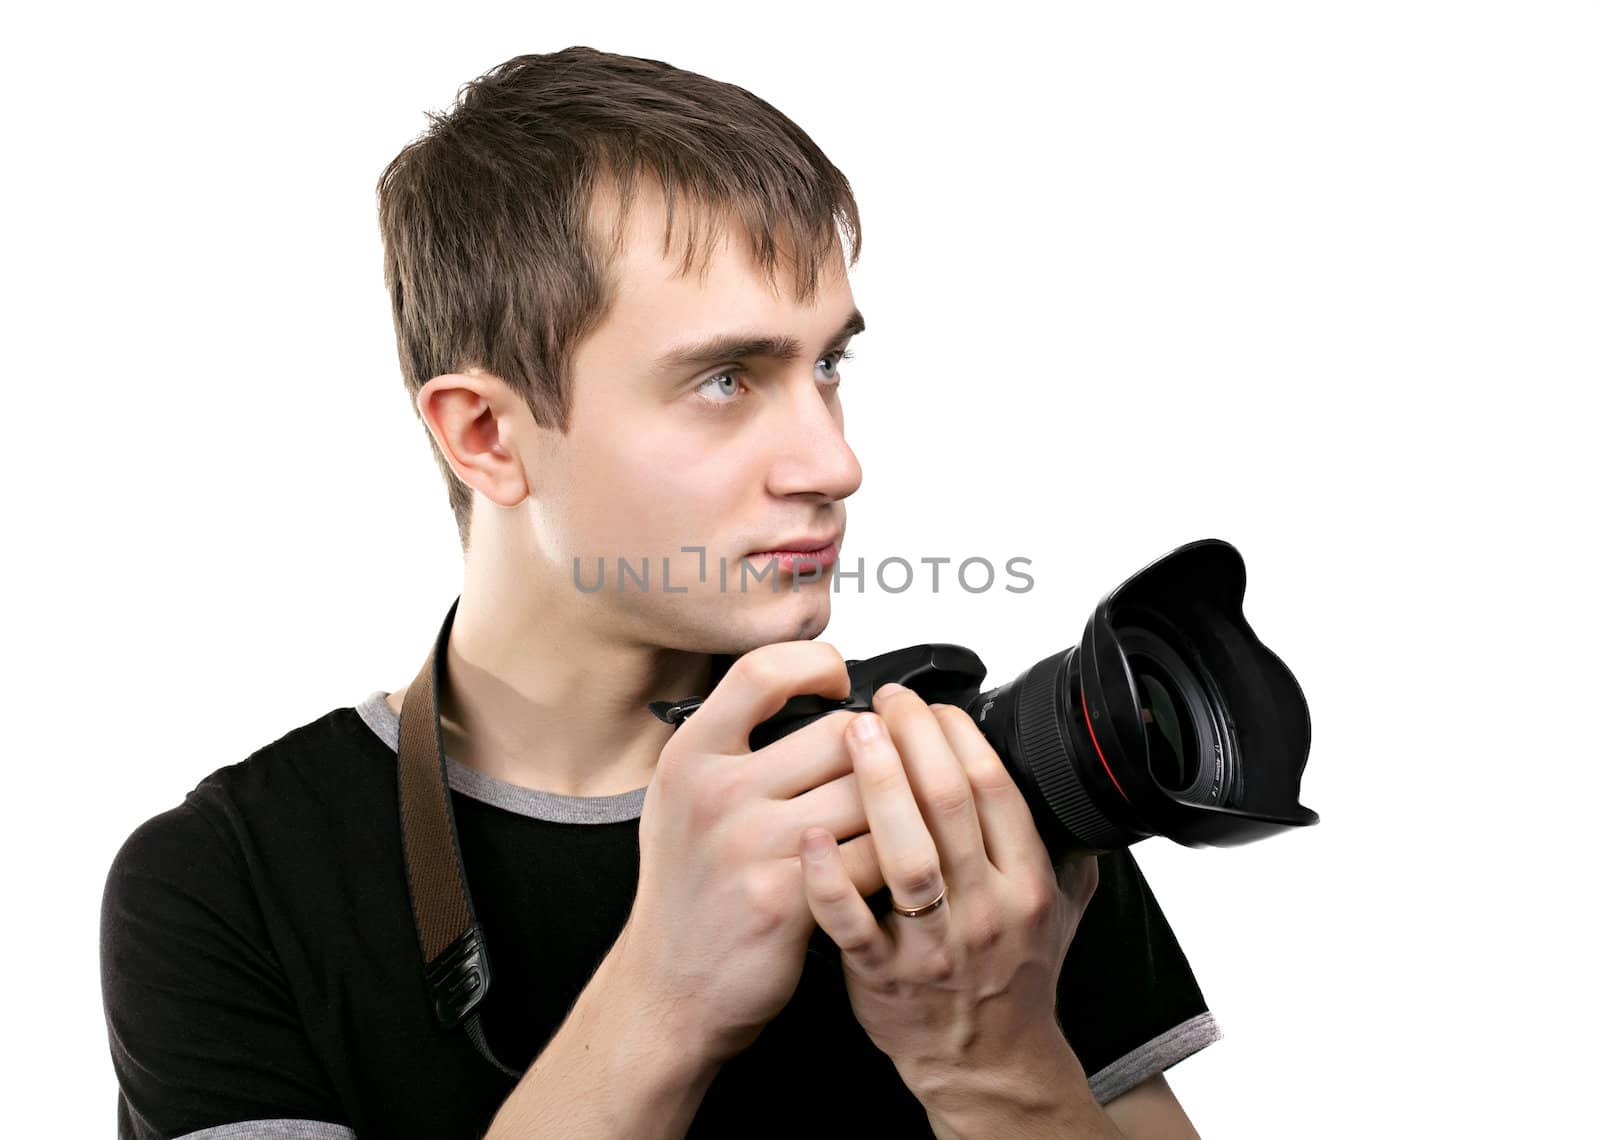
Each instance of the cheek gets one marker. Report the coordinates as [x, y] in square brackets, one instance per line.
[656, 497]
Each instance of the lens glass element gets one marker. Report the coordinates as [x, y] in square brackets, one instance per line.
[1171, 737]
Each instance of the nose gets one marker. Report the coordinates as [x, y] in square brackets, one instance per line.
[812, 457]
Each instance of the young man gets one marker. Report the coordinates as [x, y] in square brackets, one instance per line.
[621, 300]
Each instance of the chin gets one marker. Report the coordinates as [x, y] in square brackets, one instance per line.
[806, 619]
[803, 619]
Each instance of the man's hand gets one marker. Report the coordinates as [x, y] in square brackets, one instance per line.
[716, 940]
[962, 997]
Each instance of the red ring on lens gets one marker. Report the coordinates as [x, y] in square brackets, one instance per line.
[1088, 723]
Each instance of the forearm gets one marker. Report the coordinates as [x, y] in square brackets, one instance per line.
[1044, 1095]
[613, 1070]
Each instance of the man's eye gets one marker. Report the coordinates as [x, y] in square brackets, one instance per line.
[720, 389]
[833, 360]
[717, 386]
[724, 388]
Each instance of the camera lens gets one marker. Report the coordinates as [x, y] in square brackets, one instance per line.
[1170, 732]
[1181, 714]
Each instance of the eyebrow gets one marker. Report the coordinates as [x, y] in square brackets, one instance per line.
[732, 346]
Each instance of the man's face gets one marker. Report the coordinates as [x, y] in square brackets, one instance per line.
[736, 452]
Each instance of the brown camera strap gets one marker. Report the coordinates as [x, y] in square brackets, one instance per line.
[455, 956]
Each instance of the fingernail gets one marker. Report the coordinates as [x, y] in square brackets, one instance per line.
[889, 690]
[815, 846]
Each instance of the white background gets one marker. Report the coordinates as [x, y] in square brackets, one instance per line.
[1321, 280]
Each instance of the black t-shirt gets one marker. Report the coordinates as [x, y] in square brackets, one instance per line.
[262, 978]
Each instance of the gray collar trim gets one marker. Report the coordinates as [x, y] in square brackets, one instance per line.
[379, 717]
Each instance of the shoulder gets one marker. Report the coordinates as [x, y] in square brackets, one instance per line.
[330, 756]
[243, 817]
[204, 977]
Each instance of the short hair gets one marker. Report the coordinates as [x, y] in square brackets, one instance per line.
[491, 254]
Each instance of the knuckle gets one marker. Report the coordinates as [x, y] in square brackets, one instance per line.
[760, 671]
[939, 965]
[833, 891]
[764, 902]
[834, 668]
[920, 877]
[856, 942]
[777, 665]
[982, 927]
[829, 652]
[950, 797]
[1038, 901]
[986, 772]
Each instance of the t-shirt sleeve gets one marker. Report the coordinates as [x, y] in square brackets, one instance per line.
[1128, 1002]
[205, 1038]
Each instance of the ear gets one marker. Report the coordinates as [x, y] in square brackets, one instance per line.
[473, 417]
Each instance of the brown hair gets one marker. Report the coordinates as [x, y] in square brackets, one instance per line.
[490, 255]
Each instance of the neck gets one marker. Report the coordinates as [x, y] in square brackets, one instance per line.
[538, 693]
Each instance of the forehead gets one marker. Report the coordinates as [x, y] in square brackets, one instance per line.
[687, 267]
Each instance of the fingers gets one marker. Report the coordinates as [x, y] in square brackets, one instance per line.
[906, 850]
[1010, 836]
[939, 781]
[837, 905]
[860, 857]
[836, 806]
[756, 686]
[804, 759]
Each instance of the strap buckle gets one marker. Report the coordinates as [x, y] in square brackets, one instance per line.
[459, 978]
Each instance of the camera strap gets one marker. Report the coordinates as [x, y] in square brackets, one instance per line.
[454, 954]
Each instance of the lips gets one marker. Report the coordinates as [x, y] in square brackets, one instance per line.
[797, 546]
[800, 545]
[806, 554]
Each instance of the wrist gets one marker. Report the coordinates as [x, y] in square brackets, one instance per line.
[677, 1021]
[1034, 1079]
[669, 1030]
[612, 1069]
